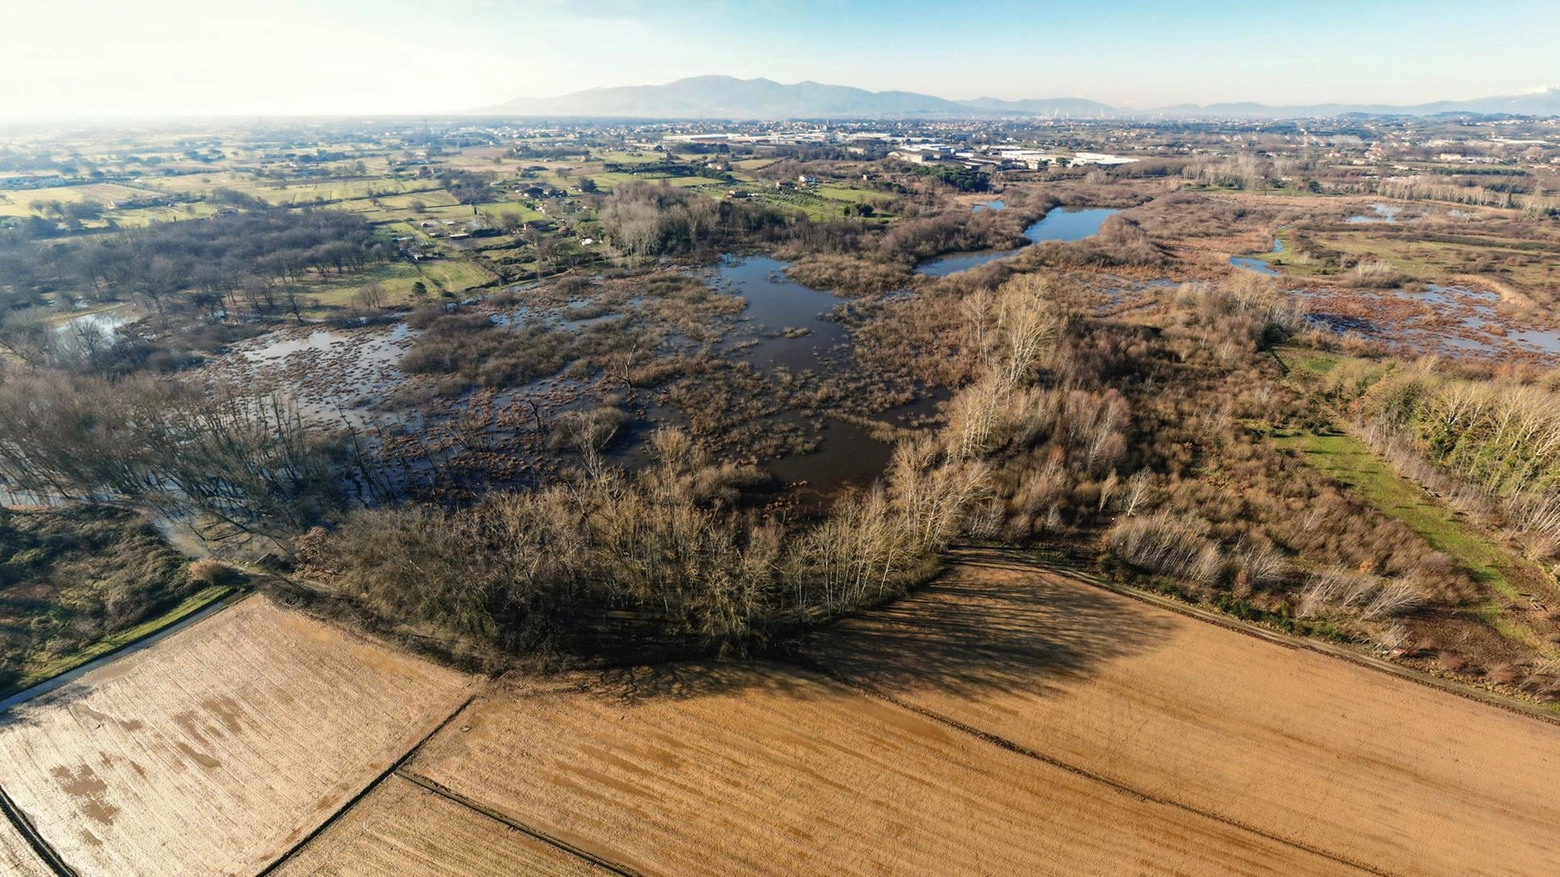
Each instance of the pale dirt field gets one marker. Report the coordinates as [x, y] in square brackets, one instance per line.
[404, 830]
[722, 769]
[215, 750]
[1351, 761]
[16, 858]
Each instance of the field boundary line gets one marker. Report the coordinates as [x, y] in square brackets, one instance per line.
[808, 663]
[1286, 640]
[124, 650]
[363, 793]
[41, 847]
[476, 806]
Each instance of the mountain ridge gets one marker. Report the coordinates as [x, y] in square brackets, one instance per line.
[727, 97]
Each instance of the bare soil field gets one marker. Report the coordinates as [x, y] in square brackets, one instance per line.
[1374, 770]
[215, 750]
[405, 830]
[767, 769]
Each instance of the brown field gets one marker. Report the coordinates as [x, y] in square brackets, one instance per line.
[766, 769]
[404, 830]
[1005, 720]
[215, 750]
[1369, 768]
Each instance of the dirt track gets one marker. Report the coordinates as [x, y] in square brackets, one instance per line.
[16, 857]
[403, 830]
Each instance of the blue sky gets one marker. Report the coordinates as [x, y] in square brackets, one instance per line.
[113, 57]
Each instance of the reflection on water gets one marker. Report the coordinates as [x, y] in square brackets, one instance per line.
[1249, 264]
[1063, 224]
[847, 454]
[1386, 213]
[776, 308]
[105, 322]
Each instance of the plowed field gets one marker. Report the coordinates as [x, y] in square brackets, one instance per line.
[215, 750]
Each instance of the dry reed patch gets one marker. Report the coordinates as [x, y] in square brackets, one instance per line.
[761, 769]
[1363, 765]
[216, 749]
[405, 830]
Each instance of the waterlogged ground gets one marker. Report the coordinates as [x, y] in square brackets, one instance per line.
[788, 339]
[1447, 320]
[784, 324]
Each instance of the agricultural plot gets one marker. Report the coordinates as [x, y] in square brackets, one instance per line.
[219, 748]
[16, 858]
[406, 830]
[19, 202]
[1367, 768]
[765, 769]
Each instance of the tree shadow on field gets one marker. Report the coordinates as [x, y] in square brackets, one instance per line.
[993, 623]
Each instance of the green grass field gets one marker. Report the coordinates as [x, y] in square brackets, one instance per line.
[1370, 479]
[455, 274]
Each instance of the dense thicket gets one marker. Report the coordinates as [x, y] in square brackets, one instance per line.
[237, 460]
[663, 557]
[651, 220]
[69, 577]
[1493, 446]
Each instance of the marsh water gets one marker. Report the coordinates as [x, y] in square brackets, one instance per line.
[785, 323]
[105, 322]
[1385, 213]
[1061, 224]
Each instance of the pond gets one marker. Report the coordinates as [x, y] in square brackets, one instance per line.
[784, 323]
[105, 322]
[989, 205]
[1251, 263]
[1386, 213]
[1062, 224]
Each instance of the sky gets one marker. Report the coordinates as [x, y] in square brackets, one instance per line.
[84, 58]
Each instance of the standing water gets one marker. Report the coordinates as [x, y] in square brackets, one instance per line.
[1063, 224]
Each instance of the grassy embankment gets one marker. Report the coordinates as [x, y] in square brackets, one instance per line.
[1350, 462]
[40, 672]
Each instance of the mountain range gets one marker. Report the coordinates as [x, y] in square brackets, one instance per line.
[726, 97]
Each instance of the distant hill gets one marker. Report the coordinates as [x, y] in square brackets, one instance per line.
[1535, 103]
[1061, 106]
[726, 97]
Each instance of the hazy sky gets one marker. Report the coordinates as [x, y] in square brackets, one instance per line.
[139, 57]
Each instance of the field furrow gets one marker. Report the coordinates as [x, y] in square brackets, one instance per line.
[1365, 766]
[765, 769]
[215, 750]
[408, 831]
